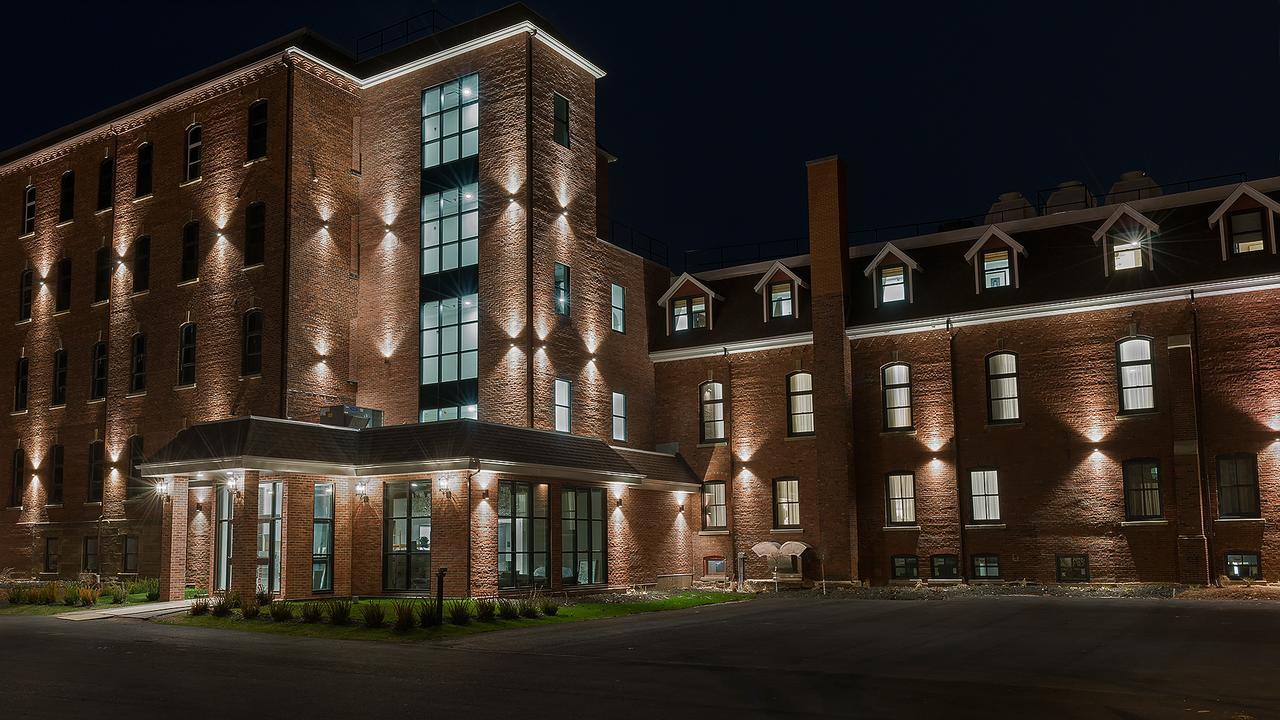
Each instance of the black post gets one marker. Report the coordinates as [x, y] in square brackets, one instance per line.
[440, 595]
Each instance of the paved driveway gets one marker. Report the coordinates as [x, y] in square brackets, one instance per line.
[774, 657]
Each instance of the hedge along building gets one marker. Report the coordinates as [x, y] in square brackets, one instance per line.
[1077, 395]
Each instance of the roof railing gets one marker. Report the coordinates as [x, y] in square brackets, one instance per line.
[636, 241]
[401, 33]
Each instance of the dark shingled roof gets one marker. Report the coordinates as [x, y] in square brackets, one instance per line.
[406, 448]
[738, 317]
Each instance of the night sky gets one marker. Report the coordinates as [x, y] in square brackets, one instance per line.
[713, 108]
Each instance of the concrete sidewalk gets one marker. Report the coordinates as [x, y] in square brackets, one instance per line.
[143, 611]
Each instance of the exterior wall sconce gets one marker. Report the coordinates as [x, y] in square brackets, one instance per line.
[443, 485]
[362, 490]
[681, 506]
[619, 505]
[163, 489]
[235, 485]
[484, 494]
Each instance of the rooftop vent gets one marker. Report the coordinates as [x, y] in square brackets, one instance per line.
[1070, 195]
[1009, 206]
[1132, 185]
[351, 416]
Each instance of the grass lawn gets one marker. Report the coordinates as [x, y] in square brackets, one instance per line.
[357, 631]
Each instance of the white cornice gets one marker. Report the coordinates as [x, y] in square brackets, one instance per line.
[733, 348]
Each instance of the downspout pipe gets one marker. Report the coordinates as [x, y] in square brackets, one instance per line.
[955, 449]
[288, 240]
[1206, 520]
[528, 226]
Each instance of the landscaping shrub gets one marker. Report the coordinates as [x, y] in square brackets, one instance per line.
[89, 595]
[220, 606]
[152, 588]
[17, 596]
[486, 610]
[200, 607]
[263, 597]
[280, 611]
[527, 608]
[339, 612]
[373, 614]
[548, 606]
[459, 611]
[404, 611]
[250, 609]
[427, 613]
[508, 609]
[119, 594]
[312, 612]
[233, 599]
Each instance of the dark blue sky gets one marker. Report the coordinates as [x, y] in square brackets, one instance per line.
[713, 108]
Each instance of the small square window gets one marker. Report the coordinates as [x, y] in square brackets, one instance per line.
[944, 567]
[1244, 566]
[905, 567]
[1073, 568]
[715, 567]
[986, 567]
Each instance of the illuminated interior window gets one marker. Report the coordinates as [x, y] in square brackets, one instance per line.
[564, 405]
[1244, 566]
[451, 121]
[1137, 384]
[711, 396]
[1246, 231]
[901, 499]
[799, 404]
[984, 493]
[619, 416]
[1142, 489]
[896, 381]
[450, 229]
[986, 567]
[453, 412]
[995, 269]
[713, 506]
[786, 503]
[688, 313]
[1127, 250]
[618, 308]
[893, 284]
[450, 340]
[780, 300]
[562, 290]
[1002, 387]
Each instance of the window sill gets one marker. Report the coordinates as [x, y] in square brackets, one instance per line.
[254, 161]
[59, 406]
[24, 236]
[95, 400]
[192, 181]
[943, 581]
[254, 376]
[718, 443]
[140, 293]
[103, 211]
[65, 223]
[18, 508]
[97, 303]
[96, 503]
[787, 530]
[911, 431]
[53, 505]
[1136, 414]
[142, 198]
[1143, 523]
[985, 526]
[794, 438]
[18, 412]
[23, 322]
[191, 386]
[714, 578]
[140, 393]
[706, 533]
[905, 581]
[1018, 424]
[58, 313]
[188, 282]
[254, 266]
[901, 528]
[1245, 521]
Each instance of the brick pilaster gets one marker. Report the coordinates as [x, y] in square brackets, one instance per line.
[173, 557]
[1193, 555]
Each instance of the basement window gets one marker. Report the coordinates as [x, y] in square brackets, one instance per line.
[944, 567]
[1244, 566]
[904, 567]
[1073, 568]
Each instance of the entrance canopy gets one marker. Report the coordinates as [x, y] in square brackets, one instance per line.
[284, 446]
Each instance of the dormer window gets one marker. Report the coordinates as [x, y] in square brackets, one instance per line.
[1127, 251]
[780, 299]
[893, 284]
[1245, 229]
[1126, 240]
[688, 313]
[995, 269]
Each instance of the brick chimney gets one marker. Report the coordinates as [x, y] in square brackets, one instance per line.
[832, 368]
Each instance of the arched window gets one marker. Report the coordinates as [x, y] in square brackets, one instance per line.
[142, 181]
[1136, 376]
[799, 404]
[26, 282]
[194, 153]
[251, 349]
[138, 364]
[17, 469]
[98, 372]
[711, 414]
[29, 210]
[187, 354]
[1002, 388]
[106, 183]
[102, 274]
[256, 141]
[896, 385]
[67, 196]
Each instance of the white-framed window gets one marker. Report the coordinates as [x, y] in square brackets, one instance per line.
[451, 121]
[1002, 388]
[195, 153]
[996, 269]
[451, 412]
[786, 503]
[1246, 231]
[984, 493]
[1127, 250]
[561, 290]
[450, 228]
[450, 338]
[1136, 376]
[711, 411]
[617, 308]
[713, 506]
[893, 284]
[781, 299]
[799, 404]
[896, 384]
[619, 416]
[901, 499]
[564, 405]
[688, 313]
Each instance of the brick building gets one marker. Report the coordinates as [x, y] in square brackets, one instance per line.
[210, 276]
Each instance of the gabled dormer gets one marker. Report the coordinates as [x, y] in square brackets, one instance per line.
[995, 260]
[893, 276]
[688, 305]
[1126, 240]
[1246, 222]
[779, 291]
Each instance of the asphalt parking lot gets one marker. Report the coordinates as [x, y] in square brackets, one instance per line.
[771, 657]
